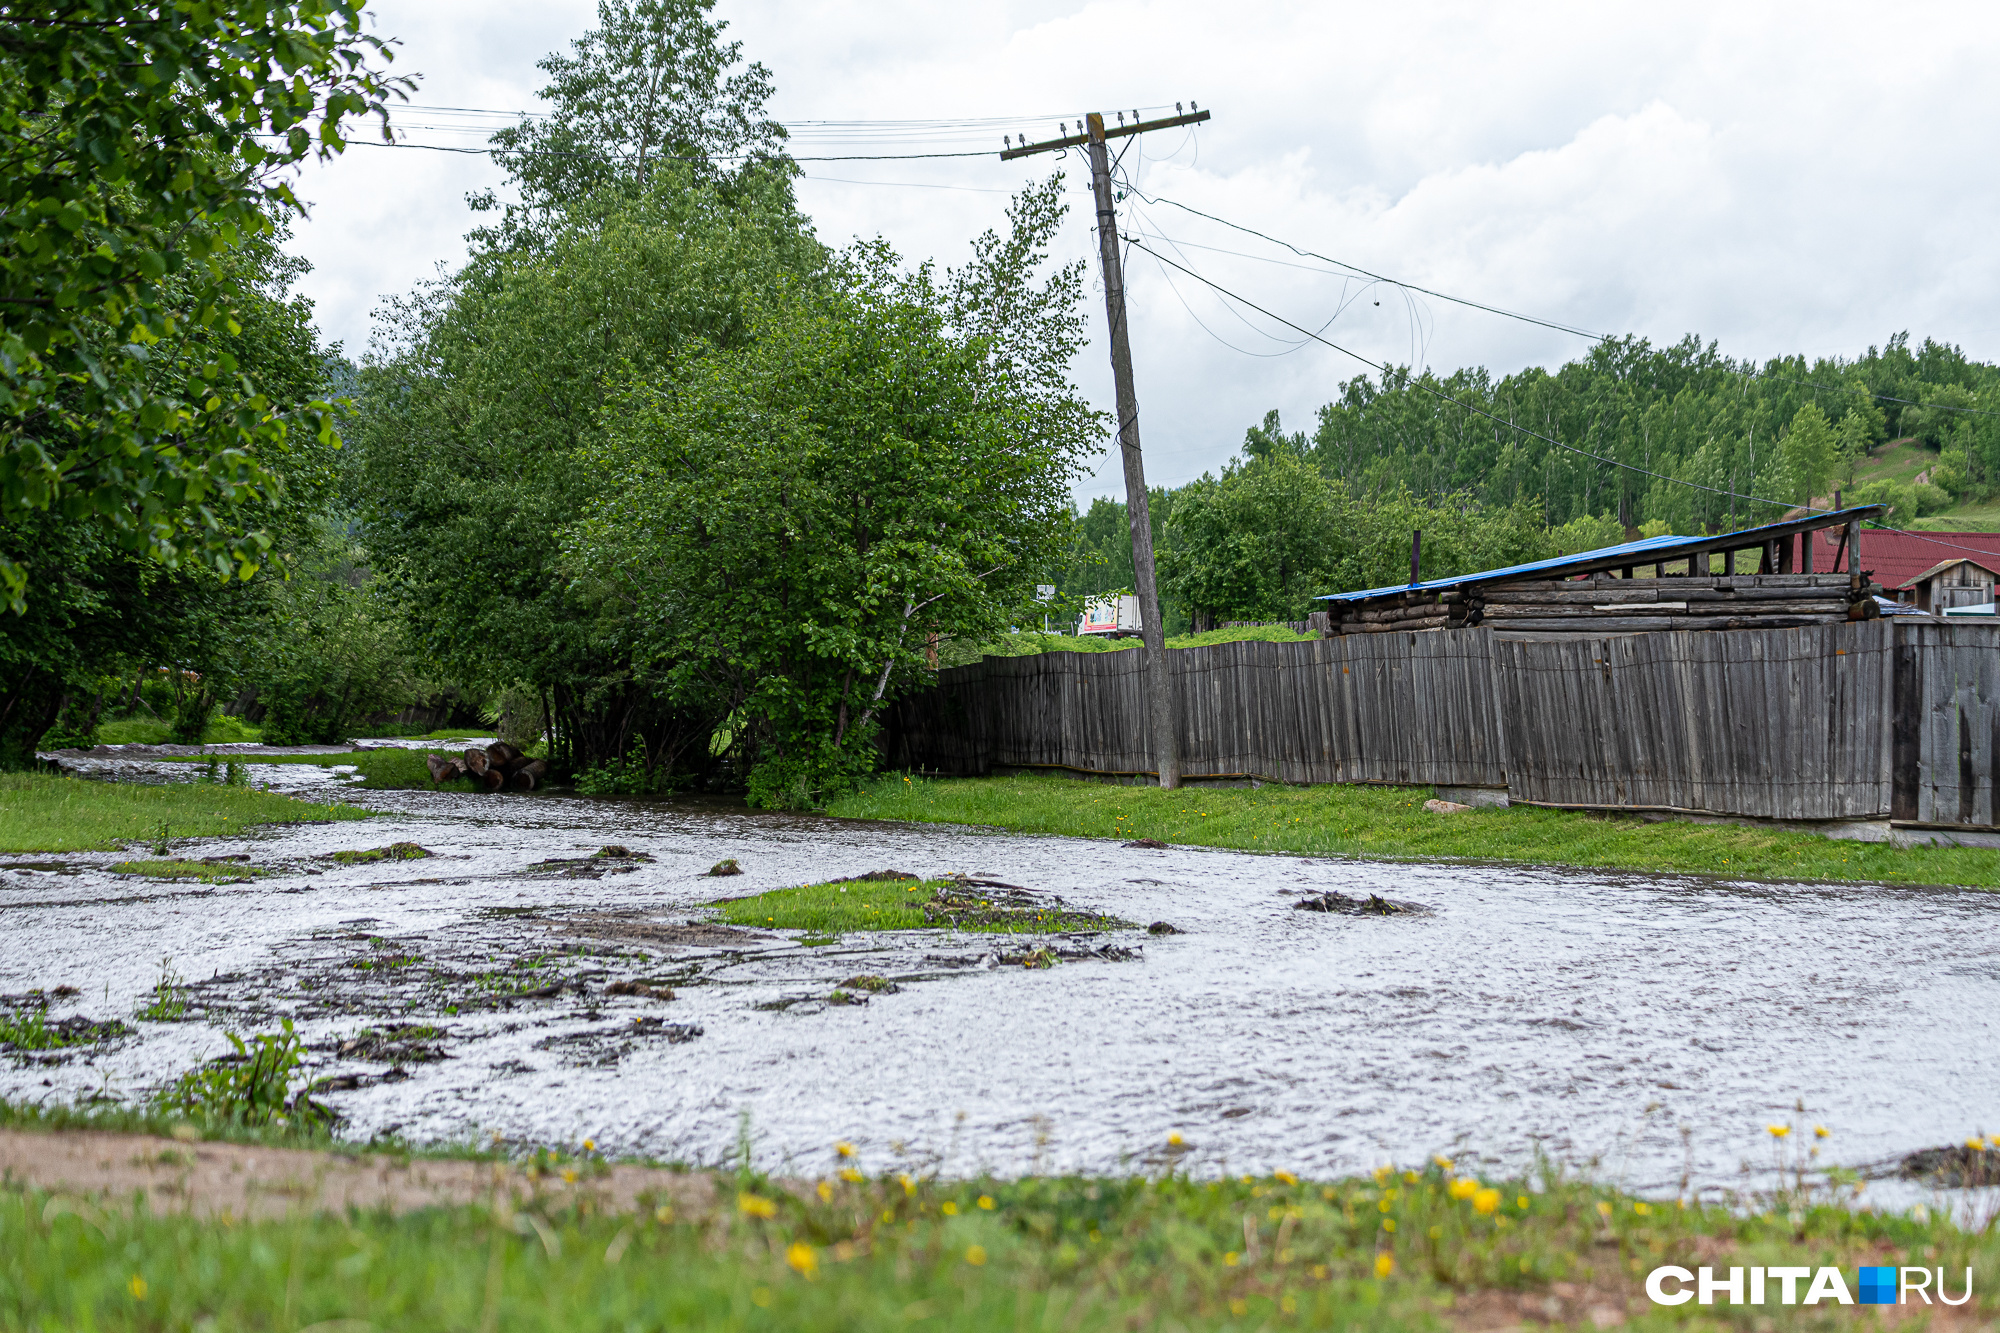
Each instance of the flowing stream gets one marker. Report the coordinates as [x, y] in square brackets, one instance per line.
[1645, 1028]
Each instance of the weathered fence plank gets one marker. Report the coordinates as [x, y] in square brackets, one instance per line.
[1835, 721]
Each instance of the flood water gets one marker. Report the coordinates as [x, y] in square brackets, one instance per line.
[1643, 1027]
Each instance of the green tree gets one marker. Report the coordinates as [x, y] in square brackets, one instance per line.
[483, 395]
[1812, 454]
[138, 144]
[653, 85]
[887, 460]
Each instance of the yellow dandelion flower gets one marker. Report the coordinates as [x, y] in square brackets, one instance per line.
[569, 1175]
[909, 1186]
[1321, 1271]
[1462, 1189]
[1779, 1131]
[1174, 1140]
[754, 1205]
[986, 1202]
[1285, 1176]
[137, 1286]
[1385, 1264]
[1443, 1163]
[825, 1192]
[1229, 1259]
[590, 1145]
[1977, 1145]
[1604, 1208]
[948, 1208]
[802, 1259]
[845, 1149]
[663, 1214]
[1486, 1201]
[975, 1255]
[851, 1176]
[1641, 1207]
[1821, 1131]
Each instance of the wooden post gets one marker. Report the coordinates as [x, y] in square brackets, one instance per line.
[1159, 678]
[1905, 724]
[1805, 553]
[1416, 550]
[1853, 543]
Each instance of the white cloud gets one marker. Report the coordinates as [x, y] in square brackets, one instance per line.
[1779, 177]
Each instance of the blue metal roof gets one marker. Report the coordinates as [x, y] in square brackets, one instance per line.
[1638, 551]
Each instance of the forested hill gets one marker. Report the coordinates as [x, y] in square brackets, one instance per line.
[1685, 411]
[1754, 439]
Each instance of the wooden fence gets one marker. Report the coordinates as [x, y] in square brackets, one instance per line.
[1846, 721]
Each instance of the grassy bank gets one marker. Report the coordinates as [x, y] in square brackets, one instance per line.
[906, 904]
[222, 730]
[1396, 1250]
[40, 812]
[1391, 822]
[385, 769]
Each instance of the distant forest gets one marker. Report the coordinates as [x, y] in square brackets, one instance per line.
[1296, 514]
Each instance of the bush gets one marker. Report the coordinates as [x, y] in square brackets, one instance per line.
[807, 783]
[250, 1087]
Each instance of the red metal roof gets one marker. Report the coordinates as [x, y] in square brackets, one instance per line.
[1899, 557]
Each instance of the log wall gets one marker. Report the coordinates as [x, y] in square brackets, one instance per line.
[1839, 721]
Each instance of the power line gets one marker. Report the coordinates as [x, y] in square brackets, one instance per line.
[1530, 431]
[1461, 403]
[1753, 372]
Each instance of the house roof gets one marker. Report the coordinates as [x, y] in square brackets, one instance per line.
[1652, 550]
[1899, 559]
[1942, 565]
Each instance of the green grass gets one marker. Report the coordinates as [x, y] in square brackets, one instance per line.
[386, 769]
[1393, 1251]
[1391, 823]
[1898, 461]
[826, 910]
[831, 908]
[40, 812]
[146, 731]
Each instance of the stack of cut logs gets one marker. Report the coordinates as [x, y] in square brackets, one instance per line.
[1603, 604]
[498, 765]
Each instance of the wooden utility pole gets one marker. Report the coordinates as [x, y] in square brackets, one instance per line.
[1161, 708]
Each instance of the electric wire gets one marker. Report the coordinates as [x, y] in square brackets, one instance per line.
[1548, 439]
[1558, 326]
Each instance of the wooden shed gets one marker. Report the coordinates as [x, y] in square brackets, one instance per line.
[1732, 580]
[1948, 584]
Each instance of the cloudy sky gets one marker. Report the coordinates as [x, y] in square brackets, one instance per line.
[1782, 178]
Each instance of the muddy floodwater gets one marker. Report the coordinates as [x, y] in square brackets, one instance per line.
[514, 984]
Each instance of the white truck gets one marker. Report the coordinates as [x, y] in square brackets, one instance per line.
[1110, 615]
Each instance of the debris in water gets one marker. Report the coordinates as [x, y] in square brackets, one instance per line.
[1970, 1165]
[726, 867]
[1162, 928]
[1151, 844]
[872, 877]
[1446, 807]
[640, 988]
[874, 985]
[395, 851]
[1372, 905]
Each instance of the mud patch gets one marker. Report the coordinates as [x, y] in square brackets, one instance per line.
[395, 851]
[1974, 1164]
[641, 928]
[1372, 905]
[409, 1044]
[607, 1046]
[991, 904]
